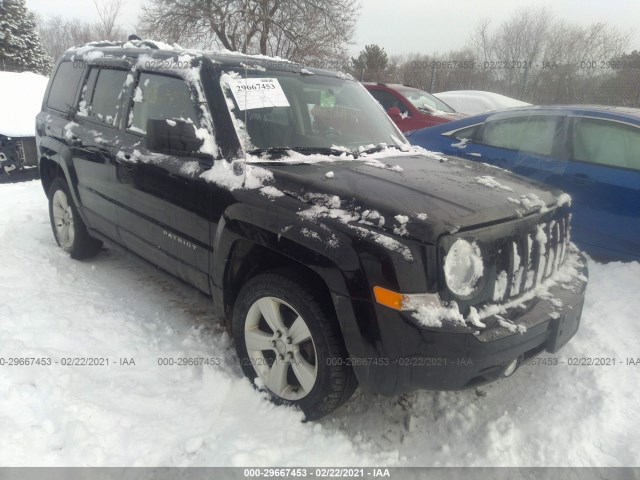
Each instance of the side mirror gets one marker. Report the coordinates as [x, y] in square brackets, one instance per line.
[395, 114]
[175, 137]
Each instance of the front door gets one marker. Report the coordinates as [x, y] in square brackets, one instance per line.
[167, 212]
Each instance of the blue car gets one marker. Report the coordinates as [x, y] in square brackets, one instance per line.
[590, 152]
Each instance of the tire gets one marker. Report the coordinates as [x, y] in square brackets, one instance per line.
[68, 228]
[302, 364]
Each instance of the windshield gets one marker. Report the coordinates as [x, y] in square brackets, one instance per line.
[425, 101]
[306, 112]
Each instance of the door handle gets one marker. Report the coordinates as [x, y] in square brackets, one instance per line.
[581, 179]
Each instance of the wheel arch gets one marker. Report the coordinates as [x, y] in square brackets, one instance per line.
[243, 251]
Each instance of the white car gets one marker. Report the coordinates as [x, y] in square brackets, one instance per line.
[475, 102]
[21, 99]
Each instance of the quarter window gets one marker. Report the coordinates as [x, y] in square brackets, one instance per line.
[63, 89]
[606, 143]
[158, 97]
[535, 134]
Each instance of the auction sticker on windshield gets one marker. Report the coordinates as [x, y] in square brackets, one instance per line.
[252, 93]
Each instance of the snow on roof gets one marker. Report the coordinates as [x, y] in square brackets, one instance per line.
[475, 102]
[21, 100]
[156, 45]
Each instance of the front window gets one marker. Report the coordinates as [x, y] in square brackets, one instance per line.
[606, 143]
[305, 112]
[425, 101]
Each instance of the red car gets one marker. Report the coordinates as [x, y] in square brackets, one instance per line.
[412, 108]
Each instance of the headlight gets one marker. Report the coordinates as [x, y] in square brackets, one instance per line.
[463, 268]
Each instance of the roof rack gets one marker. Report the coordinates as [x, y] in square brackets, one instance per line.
[133, 40]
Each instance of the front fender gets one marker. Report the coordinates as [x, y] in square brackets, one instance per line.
[329, 254]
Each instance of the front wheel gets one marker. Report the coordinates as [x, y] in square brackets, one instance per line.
[288, 338]
[68, 228]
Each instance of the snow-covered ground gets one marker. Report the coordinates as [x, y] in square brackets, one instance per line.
[118, 306]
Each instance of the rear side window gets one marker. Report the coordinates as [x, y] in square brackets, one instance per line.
[63, 89]
[535, 134]
[106, 96]
[606, 143]
[158, 97]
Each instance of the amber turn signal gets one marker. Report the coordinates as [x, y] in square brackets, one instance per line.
[389, 298]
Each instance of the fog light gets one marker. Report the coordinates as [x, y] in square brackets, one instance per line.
[511, 368]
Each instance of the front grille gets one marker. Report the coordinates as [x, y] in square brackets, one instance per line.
[530, 257]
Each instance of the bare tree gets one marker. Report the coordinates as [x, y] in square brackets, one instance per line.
[315, 31]
[514, 47]
[108, 12]
[58, 34]
[532, 55]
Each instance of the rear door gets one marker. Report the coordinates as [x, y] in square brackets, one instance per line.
[95, 137]
[603, 177]
[167, 209]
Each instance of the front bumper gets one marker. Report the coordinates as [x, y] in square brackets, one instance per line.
[402, 356]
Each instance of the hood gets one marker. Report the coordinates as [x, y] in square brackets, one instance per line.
[417, 196]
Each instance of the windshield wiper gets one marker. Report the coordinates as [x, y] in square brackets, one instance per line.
[283, 150]
[321, 150]
[377, 148]
[261, 150]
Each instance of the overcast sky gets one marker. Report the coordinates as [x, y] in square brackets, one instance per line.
[403, 26]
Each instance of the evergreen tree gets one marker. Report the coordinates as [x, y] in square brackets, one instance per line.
[20, 47]
[371, 64]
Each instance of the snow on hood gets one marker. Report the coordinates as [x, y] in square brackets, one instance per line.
[427, 196]
[21, 100]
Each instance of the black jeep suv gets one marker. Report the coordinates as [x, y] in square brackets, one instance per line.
[337, 253]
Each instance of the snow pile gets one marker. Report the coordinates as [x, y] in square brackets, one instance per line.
[234, 175]
[271, 192]
[531, 201]
[190, 168]
[401, 230]
[330, 206]
[21, 96]
[564, 199]
[434, 316]
[489, 181]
